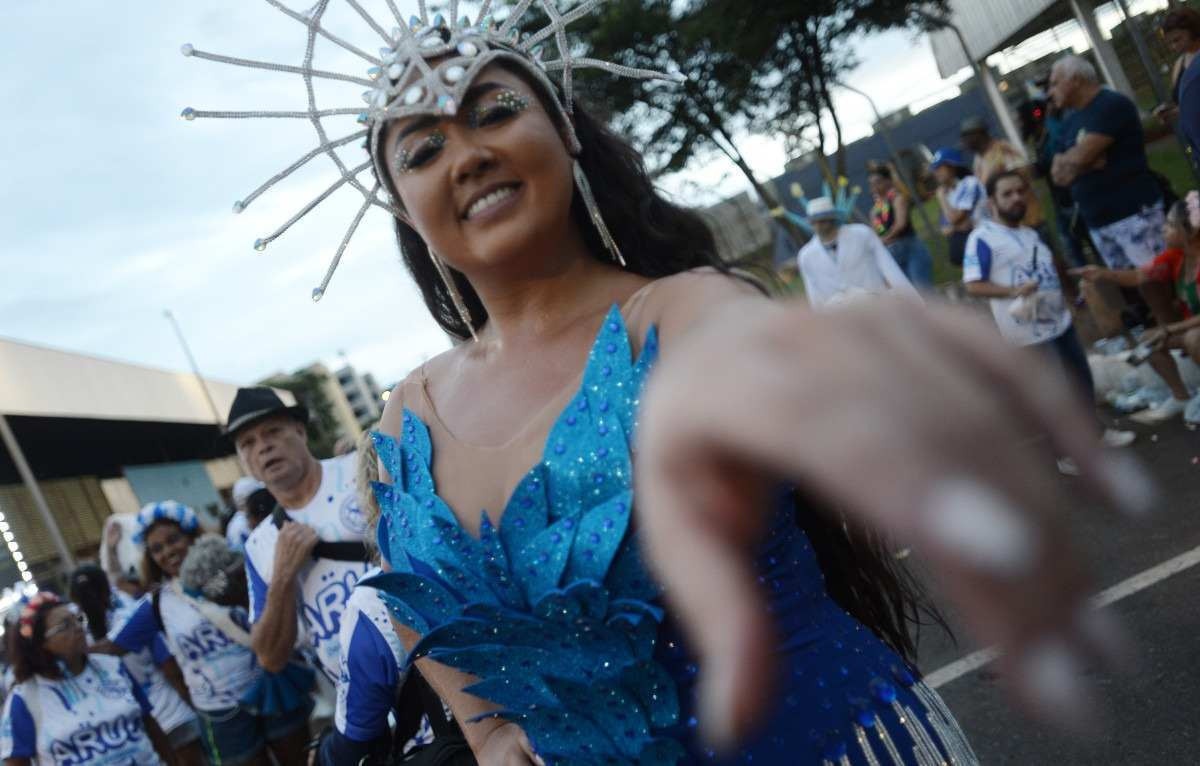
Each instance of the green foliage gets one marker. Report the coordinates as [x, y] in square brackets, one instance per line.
[1167, 157]
[670, 123]
[764, 67]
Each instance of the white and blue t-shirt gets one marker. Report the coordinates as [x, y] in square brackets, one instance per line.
[372, 656]
[216, 669]
[969, 195]
[92, 719]
[325, 584]
[1010, 257]
[238, 531]
[167, 707]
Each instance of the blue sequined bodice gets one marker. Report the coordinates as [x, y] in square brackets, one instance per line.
[554, 613]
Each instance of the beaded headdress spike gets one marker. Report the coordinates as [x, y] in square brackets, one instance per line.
[424, 67]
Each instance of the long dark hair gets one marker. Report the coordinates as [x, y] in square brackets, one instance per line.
[29, 656]
[864, 576]
[659, 238]
[91, 591]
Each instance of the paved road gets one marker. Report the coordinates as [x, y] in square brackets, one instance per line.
[1154, 713]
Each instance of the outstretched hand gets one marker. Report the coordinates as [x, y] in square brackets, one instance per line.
[912, 421]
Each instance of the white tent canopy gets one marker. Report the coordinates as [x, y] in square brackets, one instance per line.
[42, 381]
[986, 27]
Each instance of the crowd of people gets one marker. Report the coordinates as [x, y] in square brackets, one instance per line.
[1086, 142]
[215, 663]
[483, 580]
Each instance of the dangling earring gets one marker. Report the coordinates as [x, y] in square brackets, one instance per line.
[455, 296]
[585, 189]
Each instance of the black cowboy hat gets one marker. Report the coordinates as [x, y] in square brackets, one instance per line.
[251, 405]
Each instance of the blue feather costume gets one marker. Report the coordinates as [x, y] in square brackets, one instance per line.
[555, 614]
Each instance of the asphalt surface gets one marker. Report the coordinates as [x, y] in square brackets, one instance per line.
[1154, 711]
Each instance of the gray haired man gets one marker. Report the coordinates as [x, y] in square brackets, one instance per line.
[1105, 165]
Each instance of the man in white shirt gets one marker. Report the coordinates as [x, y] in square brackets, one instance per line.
[845, 260]
[290, 589]
[1007, 263]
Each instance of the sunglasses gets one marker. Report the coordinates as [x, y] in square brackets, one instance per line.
[76, 620]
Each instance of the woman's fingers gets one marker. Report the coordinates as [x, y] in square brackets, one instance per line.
[1034, 387]
[914, 424]
[697, 533]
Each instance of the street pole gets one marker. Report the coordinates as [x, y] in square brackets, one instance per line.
[195, 369]
[1139, 42]
[896, 160]
[994, 99]
[39, 500]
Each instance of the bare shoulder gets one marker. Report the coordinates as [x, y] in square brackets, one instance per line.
[675, 303]
[407, 393]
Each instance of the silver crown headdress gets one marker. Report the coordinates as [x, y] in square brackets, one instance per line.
[425, 67]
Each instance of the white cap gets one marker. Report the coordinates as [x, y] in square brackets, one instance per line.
[821, 207]
[244, 488]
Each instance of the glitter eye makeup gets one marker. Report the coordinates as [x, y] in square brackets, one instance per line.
[406, 161]
[507, 103]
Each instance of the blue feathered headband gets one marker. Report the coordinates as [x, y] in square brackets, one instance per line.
[166, 510]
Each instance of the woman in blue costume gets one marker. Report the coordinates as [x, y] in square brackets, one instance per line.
[522, 590]
[714, 617]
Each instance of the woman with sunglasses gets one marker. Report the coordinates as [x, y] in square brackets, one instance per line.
[69, 707]
[218, 669]
[153, 668]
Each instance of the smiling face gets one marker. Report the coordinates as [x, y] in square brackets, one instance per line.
[275, 451]
[488, 185]
[167, 546]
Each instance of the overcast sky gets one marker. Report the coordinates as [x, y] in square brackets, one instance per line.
[112, 208]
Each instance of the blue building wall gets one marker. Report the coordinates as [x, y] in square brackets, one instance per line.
[934, 127]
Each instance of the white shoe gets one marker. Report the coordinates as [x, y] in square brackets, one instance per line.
[1168, 410]
[1067, 467]
[1114, 439]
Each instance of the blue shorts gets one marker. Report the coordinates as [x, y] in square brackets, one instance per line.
[184, 734]
[1131, 242]
[235, 736]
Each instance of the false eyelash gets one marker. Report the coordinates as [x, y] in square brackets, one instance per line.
[508, 99]
[403, 160]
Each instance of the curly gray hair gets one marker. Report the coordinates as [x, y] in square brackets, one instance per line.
[212, 568]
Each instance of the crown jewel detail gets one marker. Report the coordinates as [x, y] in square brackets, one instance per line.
[424, 67]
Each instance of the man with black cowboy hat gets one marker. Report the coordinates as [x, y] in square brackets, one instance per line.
[292, 583]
